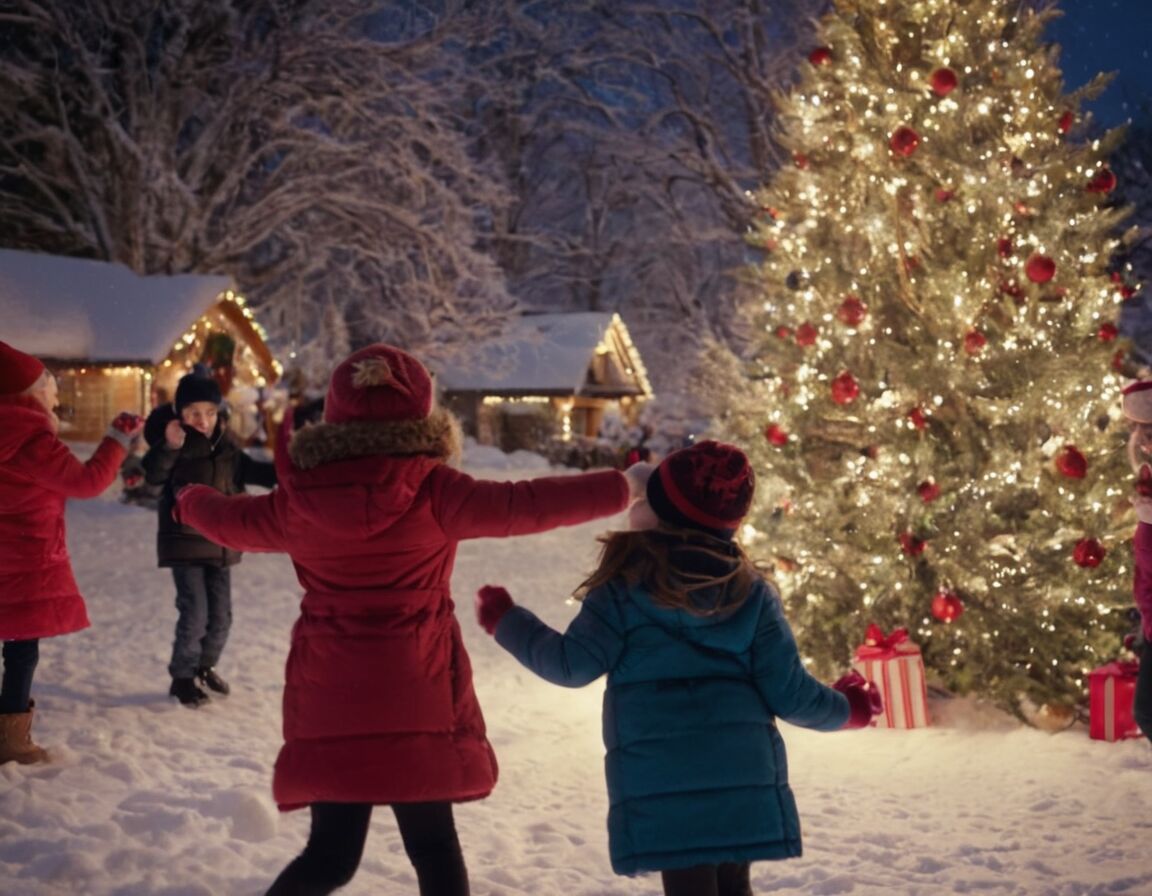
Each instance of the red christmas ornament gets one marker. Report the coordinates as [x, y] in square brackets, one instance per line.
[904, 141]
[1071, 463]
[1040, 268]
[783, 332]
[845, 388]
[974, 342]
[806, 334]
[928, 491]
[1088, 553]
[911, 263]
[1004, 247]
[943, 194]
[775, 435]
[943, 81]
[1126, 292]
[1012, 288]
[1065, 123]
[820, 56]
[911, 545]
[1107, 332]
[1104, 181]
[1118, 360]
[946, 606]
[852, 311]
[800, 160]
[917, 419]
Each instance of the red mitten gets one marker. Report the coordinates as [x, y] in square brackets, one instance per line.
[492, 602]
[864, 700]
[129, 424]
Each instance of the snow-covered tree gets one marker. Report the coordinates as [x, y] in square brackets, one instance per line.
[938, 316]
[313, 149]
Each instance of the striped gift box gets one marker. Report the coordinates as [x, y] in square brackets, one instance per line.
[895, 665]
[1110, 691]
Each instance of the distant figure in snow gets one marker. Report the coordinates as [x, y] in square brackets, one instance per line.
[379, 707]
[38, 593]
[1137, 405]
[700, 662]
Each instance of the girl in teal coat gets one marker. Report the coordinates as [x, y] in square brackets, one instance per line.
[700, 663]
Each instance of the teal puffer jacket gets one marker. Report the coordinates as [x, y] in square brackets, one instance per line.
[696, 767]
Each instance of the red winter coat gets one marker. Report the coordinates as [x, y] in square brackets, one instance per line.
[378, 698]
[38, 594]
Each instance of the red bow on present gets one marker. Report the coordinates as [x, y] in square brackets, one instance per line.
[1120, 668]
[878, 644]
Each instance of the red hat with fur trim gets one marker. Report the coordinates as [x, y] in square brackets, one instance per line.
[1137, 401]
[706, 486]
[18, 370]
[378, 383]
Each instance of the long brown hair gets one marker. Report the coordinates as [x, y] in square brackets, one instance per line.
[675, 565]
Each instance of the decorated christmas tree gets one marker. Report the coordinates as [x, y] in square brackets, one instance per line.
[935, 411]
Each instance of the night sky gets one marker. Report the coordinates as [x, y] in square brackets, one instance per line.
[1107, 36]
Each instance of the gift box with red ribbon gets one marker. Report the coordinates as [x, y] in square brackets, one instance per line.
[1110, 691]
[895, 665]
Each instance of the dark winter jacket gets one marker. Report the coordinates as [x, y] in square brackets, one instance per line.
[38, 593]
[378, 698]
[695, 765]
[218, 462]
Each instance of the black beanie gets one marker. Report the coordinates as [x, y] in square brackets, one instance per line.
[196, 387]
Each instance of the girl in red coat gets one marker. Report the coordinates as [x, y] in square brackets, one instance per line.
[378, 700]
[1137, 403]
[38, 594]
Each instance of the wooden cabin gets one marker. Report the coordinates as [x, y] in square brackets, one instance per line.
[119, 341]
[556, 376]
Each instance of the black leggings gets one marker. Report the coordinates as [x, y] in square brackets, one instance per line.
[20, 658]
[729, 879]
[336, 843]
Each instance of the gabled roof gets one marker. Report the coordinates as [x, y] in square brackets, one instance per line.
[75, 309]
[553, 354]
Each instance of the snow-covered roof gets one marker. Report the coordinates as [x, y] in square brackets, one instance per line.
[78, 309]
[548, 354]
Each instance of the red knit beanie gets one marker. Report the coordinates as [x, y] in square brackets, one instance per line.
[706, 486]
[378, 383]
[18, 371]
[1137, 401]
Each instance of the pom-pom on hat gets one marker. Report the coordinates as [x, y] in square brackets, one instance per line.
[378, 383]
[1137, 401]
[196, 387]
[18, 370]
[706, 486]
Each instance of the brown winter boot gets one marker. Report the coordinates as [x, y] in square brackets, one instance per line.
[16, 738]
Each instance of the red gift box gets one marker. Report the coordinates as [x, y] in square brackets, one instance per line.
[1110, 692]
[894, 664]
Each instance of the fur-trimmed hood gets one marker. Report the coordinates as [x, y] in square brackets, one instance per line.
[358, 478]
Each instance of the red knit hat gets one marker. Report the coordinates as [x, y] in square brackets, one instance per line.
[18, 371]
[378, 383]
[1137, 401]
[706, 486]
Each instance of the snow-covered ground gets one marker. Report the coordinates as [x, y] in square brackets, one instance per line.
[146, 798]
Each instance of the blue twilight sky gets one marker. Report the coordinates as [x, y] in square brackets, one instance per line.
[1107, 36]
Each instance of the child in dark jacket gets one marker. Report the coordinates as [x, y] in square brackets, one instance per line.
[1137, 405]
[38, 472]
[700, 662]
[379, 707]
[191, 444]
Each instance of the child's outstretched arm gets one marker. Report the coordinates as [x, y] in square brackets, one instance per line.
[477, 508]
[788, 689]
[49, 462]
[241, 522]
[588, 649]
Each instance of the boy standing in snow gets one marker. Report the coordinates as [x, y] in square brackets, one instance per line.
[197, 447]
[1137, 405]
[700, 663]
[38, 594]
[379, 707]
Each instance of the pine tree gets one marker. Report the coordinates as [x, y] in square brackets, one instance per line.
[942, 449]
